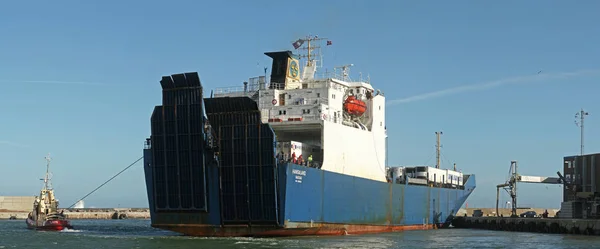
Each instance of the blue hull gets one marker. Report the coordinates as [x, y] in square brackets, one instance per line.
[313, 195]
[317, 202]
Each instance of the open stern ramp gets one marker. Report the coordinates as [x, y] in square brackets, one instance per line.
[179, 166]
[247, 161]
[177, 143]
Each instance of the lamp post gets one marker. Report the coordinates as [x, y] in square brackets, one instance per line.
[579, 118]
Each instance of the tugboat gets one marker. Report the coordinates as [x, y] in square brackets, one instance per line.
[45, 215]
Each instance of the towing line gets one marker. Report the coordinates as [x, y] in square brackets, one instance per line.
[107, 181]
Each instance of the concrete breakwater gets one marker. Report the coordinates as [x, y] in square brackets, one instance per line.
[88, 213]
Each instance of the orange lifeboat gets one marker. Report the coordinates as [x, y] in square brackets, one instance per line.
[355, 106]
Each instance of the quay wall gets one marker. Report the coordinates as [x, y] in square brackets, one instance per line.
[539, 225]
[491, 212]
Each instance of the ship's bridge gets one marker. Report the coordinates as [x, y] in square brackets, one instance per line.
[308, 102]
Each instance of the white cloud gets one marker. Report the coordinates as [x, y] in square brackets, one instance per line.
[493, 84]
[52, 82]
[9, 143]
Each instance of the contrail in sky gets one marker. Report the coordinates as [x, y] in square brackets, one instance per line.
[9, 143]
[491, 84]
[53, 82]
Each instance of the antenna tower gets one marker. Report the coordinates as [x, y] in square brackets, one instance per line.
[579, 117]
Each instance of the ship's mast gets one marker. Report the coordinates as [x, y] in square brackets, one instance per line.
[47, 184]
[309, 48]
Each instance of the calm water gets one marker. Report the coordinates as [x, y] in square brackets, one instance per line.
[139, 234]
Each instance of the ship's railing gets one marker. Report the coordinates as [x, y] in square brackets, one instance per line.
[226, 90]
[234, 90]
[285, 159]
[240, 90]
[254, 84]
[340, 76]
[251, 88]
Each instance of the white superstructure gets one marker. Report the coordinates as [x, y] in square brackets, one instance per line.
[342, 121]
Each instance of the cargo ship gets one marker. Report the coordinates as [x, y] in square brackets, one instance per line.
[298, 154]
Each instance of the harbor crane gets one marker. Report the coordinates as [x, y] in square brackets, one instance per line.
[511, 185]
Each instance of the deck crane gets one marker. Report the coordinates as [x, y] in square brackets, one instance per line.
[511, 185]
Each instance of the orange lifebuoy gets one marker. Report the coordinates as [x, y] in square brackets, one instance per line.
[274, 101]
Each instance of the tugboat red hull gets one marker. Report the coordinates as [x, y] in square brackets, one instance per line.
[49, 225]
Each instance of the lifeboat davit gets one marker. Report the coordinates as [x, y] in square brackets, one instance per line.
[355, 106]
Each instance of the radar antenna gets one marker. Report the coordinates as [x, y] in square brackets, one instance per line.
[345, 71]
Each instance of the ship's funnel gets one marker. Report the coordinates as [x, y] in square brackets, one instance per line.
[285, 69]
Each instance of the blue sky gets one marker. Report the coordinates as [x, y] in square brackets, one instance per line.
[117, 51]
